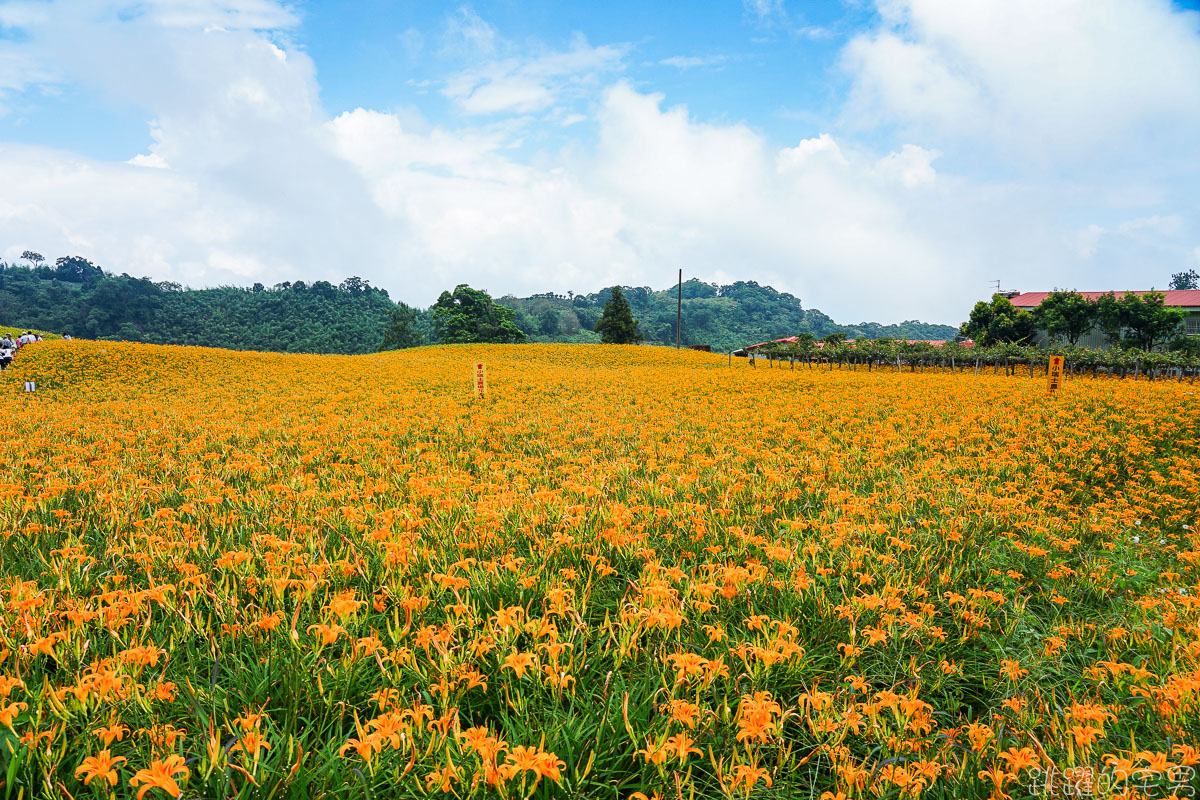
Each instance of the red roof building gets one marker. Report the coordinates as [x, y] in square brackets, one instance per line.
[821, 345]
[1183, 298]
[1187, 299]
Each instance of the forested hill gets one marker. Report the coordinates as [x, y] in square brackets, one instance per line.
[76, 297]
[725, 317]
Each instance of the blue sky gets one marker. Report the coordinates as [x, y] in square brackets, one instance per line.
[722, 60]
[729, 64]
[883, 160]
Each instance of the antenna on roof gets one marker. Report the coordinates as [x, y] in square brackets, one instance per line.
[997, 286]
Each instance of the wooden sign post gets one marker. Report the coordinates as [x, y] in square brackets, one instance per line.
[480, 381]
[1054, 374]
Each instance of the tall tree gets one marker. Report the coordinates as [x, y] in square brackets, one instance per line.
[33, 258]
[402, 330]
[77, 269]
[617, 325]
[470, 315]
[1186, 280]
[999, 322]
[1143, 321]
[1069, 315]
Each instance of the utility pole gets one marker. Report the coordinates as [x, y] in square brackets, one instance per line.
[679, 313]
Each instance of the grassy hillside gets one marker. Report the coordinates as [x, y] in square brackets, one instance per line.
[17, 330]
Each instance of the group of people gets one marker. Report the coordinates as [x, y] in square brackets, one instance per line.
[11, 343]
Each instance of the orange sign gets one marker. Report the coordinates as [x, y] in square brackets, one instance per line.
[480, 381]
[1054, 375]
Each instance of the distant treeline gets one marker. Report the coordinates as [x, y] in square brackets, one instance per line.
[725, 317]
[74, 296]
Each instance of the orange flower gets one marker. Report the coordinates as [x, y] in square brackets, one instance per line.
[481, 741]
[160, 775]
[682, 711]
[251, 742]
[9, 712]
[748, 775]
[328, 634]
[1018, 760]
[1011, 669]
[548, 766]
[681, 744]
[756, 717]
[115, 732]
[875, 636]
[345, 604]
[518, 663]
[102, 766]
[365, 747]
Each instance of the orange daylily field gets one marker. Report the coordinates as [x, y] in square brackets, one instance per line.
[628, 572]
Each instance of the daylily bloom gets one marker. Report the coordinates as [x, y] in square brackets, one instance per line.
[102, 765]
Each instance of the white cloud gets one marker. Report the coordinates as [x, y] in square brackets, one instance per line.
[1088, 240]
[912, 165]
[1155, 226]
[151, 160]
[764, 11]
[822, 146]
[523, 84]
[412, 42]
[20, 15]
[213, 14]
[691, 62]
[1154, 234]
[1043, 83]
[469, 34]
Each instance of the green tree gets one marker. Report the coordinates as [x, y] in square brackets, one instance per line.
[1186, 280]
[999, 322]
[403, 329]
[834, 339]
[617, 325]
[76, 269]
[1066, 314]
[1140, 321]
[469, 315]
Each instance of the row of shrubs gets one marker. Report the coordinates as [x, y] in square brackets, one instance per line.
[1012, 358]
